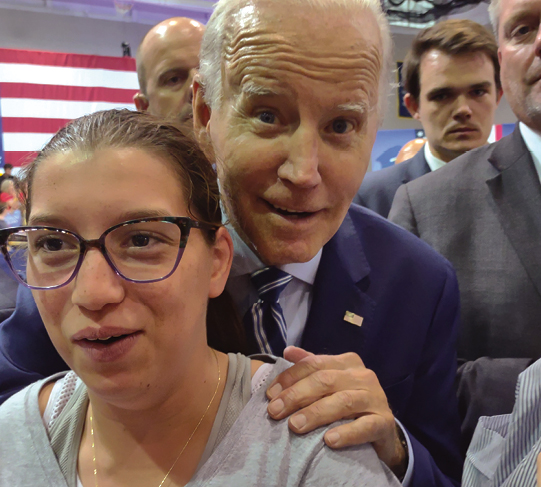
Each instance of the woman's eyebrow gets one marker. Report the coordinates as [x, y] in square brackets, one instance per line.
[47, 219]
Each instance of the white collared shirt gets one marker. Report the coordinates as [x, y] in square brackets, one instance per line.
[295, 299]
[533, 143]
[432, 161]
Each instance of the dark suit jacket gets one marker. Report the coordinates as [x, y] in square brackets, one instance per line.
[483, 213]
[379, 187]
[408, 297]
[8, 291]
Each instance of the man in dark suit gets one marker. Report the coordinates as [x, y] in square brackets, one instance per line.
[482, 213]
[287, 145]
[452, 83]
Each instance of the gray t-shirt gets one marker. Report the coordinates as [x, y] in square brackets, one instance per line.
[256, 451]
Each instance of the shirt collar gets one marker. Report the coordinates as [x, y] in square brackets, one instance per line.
[432, 161]
[533, 143]
[245, 261]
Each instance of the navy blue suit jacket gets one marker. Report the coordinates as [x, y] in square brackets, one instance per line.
[379, 187]
[406, 294]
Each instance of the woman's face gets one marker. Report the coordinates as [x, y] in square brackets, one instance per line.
[161, 324]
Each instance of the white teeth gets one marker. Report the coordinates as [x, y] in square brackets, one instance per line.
[286, 209]
[104, 339]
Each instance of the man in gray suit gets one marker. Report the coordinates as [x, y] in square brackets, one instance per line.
[482, 212]
[451, 76]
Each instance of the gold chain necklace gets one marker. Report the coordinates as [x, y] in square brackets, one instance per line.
[185, 444]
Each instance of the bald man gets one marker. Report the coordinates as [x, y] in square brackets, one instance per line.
[166, 61]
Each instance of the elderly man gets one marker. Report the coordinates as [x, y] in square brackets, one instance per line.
[482, 213]
[166, 61]
[451, 76]
[290, 116]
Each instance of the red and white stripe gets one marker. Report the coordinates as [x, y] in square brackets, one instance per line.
[41, 91]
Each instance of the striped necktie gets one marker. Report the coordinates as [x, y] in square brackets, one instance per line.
[264, 321]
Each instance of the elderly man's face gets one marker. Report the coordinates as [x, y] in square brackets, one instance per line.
[520, 49]
[293, 135]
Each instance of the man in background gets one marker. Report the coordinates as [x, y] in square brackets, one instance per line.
[166, 62]
[7, 173]
[482, 213]
[451, 76]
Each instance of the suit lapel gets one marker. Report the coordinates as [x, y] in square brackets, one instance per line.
[516, 194]
[338, 288]
[416, 167]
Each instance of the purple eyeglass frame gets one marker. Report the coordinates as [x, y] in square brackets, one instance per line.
[184, 223]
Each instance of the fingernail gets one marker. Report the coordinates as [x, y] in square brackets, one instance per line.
[276, 407]
[298, 421]
[333, 437]
[274, 390]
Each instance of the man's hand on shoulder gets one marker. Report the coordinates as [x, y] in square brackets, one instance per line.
[322, 389]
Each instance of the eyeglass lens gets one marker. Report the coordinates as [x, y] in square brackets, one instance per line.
[142, 251]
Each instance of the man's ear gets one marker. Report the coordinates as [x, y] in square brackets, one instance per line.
[201, 118]
[499, 94]
[222, 257]
[412, 105]
[141, 102]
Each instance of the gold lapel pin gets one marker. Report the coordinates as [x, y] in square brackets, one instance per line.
[353, 318]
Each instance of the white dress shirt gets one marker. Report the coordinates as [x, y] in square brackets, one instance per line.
[533, 143]
[432, 161]
[295, 299]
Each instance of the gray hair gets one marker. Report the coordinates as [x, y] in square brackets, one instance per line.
[212, 48]
[494, 10]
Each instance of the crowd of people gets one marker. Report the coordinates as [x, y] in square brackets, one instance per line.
[224, 315]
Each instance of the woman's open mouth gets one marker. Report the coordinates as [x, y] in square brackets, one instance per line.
[108, 349]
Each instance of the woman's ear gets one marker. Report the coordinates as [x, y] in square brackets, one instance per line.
[201, 119]
[222, 257]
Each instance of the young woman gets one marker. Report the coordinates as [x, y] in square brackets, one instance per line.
[123, 250]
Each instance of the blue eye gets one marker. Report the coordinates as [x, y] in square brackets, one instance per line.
[341, 126]
[267, 117]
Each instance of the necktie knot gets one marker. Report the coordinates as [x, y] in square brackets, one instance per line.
[270, 282]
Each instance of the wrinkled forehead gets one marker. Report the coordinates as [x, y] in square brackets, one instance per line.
[267, 45]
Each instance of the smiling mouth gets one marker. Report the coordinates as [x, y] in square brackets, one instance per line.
[290, 213]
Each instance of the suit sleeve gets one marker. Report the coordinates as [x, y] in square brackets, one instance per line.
[486, 387]
[401, 211]
[432, 420]
[26, 352]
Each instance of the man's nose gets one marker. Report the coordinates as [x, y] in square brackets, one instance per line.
[538, 42]
[188, 86]
[97, 284]
[303, 162]
[463, 109]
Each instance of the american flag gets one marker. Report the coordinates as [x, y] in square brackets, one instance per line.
[41, 91]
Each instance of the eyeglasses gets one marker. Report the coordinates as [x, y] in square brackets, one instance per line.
[144, 250]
